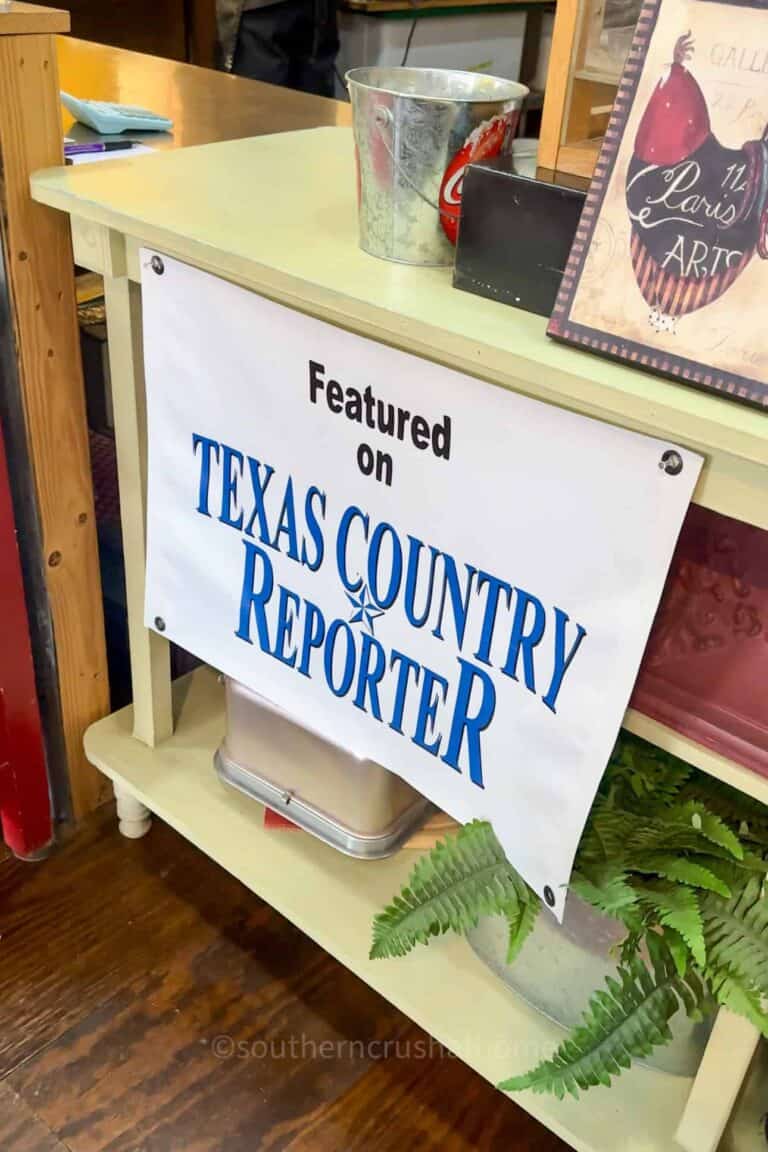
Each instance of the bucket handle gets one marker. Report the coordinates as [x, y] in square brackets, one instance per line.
[382, 118]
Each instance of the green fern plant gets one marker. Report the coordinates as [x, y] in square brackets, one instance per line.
[450, 888]
[620, 1025]
[679, 860]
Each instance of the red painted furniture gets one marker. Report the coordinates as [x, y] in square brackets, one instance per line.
[25, 809]
[705, 669]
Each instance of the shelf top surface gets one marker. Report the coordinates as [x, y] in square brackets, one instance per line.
[278, 214]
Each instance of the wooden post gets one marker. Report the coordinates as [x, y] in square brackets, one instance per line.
[200, 32]
[41, 284]
[557, 91]
[718, 1082]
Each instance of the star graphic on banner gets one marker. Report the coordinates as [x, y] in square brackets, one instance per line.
[365, 610]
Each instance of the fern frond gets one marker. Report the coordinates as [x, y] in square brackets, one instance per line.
[711, 827]
[692, 990]
[615, 834]
[683, 869]
[731, 805]
[521, 919]
[606, 834]
[605, 888]
[671, 835]
[754, 862]
[678, 949]
[675, 906]
[622, 1024]
[639, 775]
[450, 888]
[630, 945]
[728, 990]
[736, 934]
[671, 777]
[732, 873]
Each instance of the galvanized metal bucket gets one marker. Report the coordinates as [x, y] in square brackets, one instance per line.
[416, 129]
[560, 966]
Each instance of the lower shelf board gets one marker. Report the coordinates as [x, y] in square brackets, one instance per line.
[697, 754]
[333, 898]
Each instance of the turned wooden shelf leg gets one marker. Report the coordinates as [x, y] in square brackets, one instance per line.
[134, 818]
[721, 1074]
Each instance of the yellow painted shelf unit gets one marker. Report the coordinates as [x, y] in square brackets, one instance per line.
[445, 988]
[215, 207]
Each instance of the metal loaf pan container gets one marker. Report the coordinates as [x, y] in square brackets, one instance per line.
[354, 805]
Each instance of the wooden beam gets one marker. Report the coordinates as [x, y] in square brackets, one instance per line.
[19, 19]
[41, 282]
[201, 34]
[557, 92]
[718, 1082]
[378, 6]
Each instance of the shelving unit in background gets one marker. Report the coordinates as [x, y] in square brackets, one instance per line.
[500, 37]
[579, 95]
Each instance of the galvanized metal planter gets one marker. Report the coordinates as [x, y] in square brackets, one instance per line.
[559, 968]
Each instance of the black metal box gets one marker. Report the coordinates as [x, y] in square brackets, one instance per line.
[515, 235]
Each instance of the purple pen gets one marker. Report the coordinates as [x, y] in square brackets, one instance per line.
[99, 146]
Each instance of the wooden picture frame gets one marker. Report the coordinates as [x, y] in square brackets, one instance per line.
[669, 264]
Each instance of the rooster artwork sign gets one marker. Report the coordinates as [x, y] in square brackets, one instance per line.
[669, 268]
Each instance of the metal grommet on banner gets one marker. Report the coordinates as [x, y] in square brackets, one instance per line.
[157, 265]
[671, 462]
[159, 623]
[549, 896]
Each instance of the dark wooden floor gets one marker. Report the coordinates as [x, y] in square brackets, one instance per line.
[122, 964]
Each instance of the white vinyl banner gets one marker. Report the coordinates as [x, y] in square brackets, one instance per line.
[437, 574]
